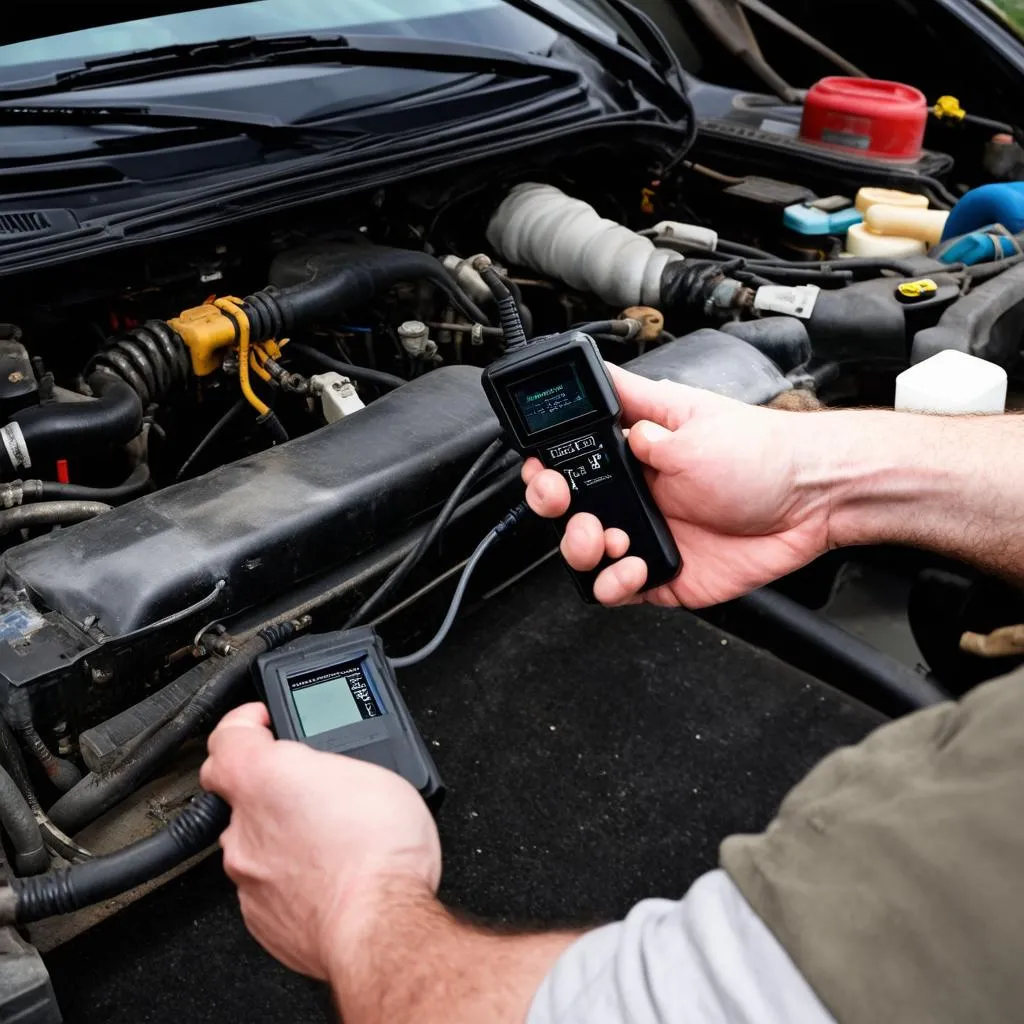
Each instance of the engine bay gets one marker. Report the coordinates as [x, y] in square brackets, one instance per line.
[205, 438]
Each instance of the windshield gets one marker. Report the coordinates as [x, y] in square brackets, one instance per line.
[488, 22]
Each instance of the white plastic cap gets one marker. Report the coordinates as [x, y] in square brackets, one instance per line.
[952, 382]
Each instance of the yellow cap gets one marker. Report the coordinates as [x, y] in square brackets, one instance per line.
[868, 197]
[917, 289]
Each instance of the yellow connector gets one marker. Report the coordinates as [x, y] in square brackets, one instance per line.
[207, 332]
[949, 106]
[233, 308]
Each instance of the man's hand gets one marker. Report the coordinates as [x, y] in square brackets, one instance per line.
[314, 840]
[337, 863]
[739, 485]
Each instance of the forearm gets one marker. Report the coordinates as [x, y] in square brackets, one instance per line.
[953, 485]
[407, 959]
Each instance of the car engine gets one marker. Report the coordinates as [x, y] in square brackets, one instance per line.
[209, 437]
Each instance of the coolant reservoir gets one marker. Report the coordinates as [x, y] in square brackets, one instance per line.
[906, 222]
[952, 382]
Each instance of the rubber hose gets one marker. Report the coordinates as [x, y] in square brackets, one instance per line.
[65, 429]
[97, 793]
[136, 483]
[890, 677]
[13, 761]
[363, 374]
[70, 889]
[49, 513]
[22, 829]
[61, 772]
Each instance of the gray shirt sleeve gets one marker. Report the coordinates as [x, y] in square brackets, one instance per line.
[706, 959]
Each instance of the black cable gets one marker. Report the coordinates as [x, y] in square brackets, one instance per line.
[797, 275]
[508, 308]
[524, 311]
[621, 329]
[60, 892]
[363, 374]
[401, 572]
[453, 609]
[749, 251]
[509, 522]
[211, 435]
[984, 271]
[136, 483]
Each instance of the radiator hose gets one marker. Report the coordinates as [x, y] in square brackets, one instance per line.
[24, 900]
[36, 437]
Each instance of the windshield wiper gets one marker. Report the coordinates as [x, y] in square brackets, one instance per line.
[168, 116]
[262, 51]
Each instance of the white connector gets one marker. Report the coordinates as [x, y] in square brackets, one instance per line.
[337, 394]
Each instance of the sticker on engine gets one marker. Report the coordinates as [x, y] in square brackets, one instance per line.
[20, 622]
[799, 301]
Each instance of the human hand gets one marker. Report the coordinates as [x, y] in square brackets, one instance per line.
[314, 839]
[740, 486]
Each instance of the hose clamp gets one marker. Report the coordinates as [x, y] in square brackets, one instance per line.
[15, 446]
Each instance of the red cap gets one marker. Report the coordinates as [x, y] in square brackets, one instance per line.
[875, 118]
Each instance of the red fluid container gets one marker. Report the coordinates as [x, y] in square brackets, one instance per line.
[886, 120]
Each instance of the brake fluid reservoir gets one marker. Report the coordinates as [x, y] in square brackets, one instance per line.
[862, 242]
[952, 382]
[868, 197]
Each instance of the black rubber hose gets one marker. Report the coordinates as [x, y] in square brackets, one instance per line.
[70, 889]
[896, 681]
[21, 828]
[137, 483]
[363, 374]
[49, 513]
[60, 771]
[14, 762]
[328, 279]
[401, 572]
[219, 678]
[65, 429]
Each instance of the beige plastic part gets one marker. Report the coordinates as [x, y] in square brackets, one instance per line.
[861, 242]
[868, 197]
[927, 225]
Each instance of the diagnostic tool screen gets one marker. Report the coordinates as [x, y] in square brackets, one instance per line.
[552, 397]
[334, 697]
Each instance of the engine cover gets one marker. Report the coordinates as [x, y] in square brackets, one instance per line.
[108, 595]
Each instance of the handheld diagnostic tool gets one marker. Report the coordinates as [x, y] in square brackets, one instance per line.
[337, 692]
[555, 399]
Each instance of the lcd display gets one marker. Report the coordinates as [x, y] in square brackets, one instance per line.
[551, 398]
[332, 698]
